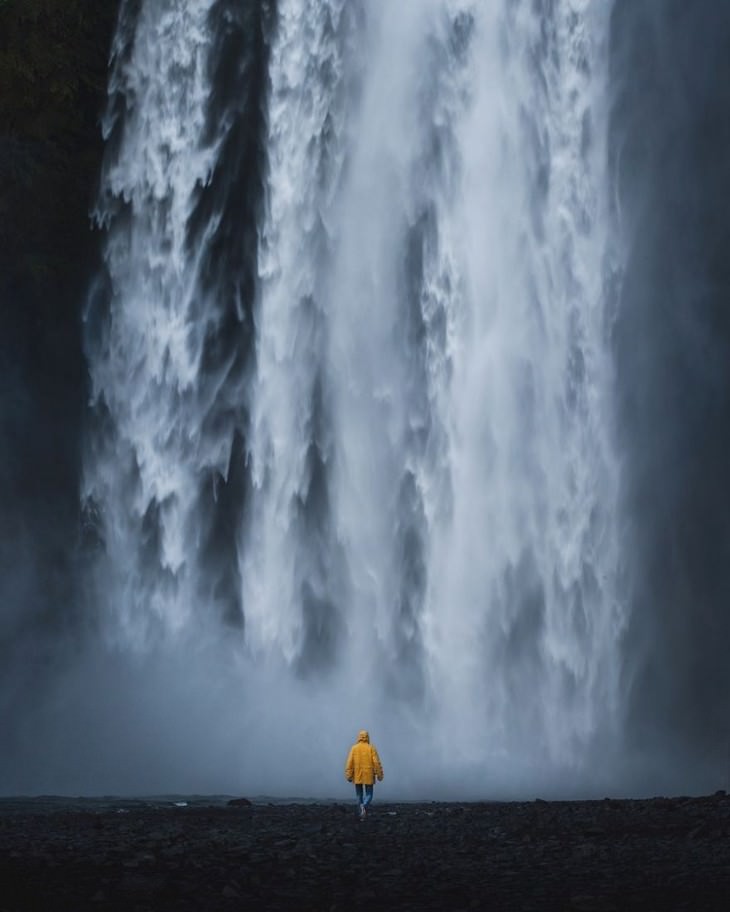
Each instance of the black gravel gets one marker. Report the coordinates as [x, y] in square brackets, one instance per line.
[586, 856]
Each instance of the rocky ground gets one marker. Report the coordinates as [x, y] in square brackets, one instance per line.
[205, 854]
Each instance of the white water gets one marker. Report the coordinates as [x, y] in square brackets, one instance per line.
[145, 369]
[429, 546]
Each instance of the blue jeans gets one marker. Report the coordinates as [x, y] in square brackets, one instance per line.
[368, 794]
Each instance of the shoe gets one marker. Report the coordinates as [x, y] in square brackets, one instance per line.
[362, 811]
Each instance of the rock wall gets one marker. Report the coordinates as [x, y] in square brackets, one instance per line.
[53, 64]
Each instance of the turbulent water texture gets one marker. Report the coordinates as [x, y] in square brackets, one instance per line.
[387, 461]
[385, 408]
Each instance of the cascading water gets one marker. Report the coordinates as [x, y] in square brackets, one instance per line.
[367, 460]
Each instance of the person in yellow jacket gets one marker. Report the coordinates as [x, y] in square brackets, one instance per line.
[363, 767]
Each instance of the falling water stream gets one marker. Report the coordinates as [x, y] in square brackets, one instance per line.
[351, 444]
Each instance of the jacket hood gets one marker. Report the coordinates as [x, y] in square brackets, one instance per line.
[363, 736]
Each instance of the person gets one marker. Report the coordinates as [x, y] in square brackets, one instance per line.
[363, 767]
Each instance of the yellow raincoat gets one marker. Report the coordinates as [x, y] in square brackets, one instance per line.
[363, 763]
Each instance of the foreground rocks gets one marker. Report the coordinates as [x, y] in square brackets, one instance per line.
[206, 855]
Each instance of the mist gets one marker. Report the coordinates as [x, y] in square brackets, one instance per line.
[398, 399]
[670, 152]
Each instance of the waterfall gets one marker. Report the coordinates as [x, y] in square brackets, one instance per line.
[351, 416]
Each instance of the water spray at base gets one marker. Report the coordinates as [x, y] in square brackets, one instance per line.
[362, 472]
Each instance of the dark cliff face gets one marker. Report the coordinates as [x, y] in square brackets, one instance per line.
[53, 63]
[671, 164]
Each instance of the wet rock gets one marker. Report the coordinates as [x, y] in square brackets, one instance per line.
[552, 857]
[586, 903]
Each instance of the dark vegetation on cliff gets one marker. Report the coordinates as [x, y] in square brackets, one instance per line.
[53, 64]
